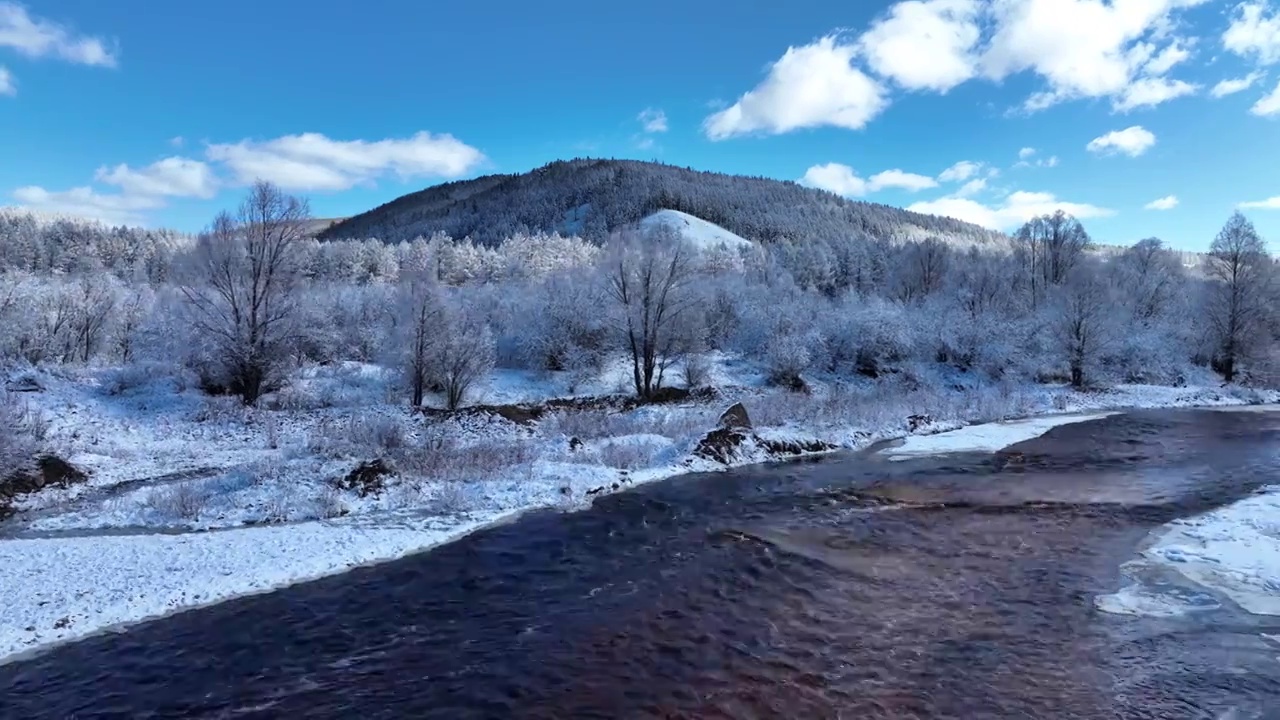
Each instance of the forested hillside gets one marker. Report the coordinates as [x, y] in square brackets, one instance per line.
[591, 198]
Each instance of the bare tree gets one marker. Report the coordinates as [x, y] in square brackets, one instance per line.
[1050, 247]
[1150, 273]
[132, 313]
[1080, 323]
[463, 355]
[648, 275]
[242, 295]
[94, 298]
[1240, 272]
[421, 317]
[17, 442]
[924, 269]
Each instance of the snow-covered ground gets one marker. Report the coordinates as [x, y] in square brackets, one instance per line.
[192, 500]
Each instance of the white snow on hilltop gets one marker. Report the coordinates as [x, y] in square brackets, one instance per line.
[702, 234]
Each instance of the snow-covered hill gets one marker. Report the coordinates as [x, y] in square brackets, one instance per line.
[594, 197]
[702, 234]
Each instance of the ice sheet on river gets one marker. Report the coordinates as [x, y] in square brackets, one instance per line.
[991, 437]
[1233, 551]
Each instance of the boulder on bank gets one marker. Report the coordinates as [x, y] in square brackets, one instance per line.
[916, 422]
[732, 445]
[721, 445]
[45, 471]
[24, 384]
[735, 418]
[367, 478]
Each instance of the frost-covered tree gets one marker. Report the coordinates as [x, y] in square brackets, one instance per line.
[1050, 246]
[922, 269]
[649, 276]
[94, 304]
[241, 289]
[18, 443]
[419, 327]
[1151, 275]
[135, 304]
[1080, 322]
[1241, 275]
[462, 354]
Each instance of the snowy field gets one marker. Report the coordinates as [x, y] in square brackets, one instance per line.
[192, 500]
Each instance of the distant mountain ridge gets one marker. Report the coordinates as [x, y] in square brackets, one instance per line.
[592, 197]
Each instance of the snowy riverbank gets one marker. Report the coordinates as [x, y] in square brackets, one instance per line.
[192, 501]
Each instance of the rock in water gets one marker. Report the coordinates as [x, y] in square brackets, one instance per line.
[735, 418]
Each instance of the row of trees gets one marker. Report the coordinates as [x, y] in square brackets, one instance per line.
[242, 306]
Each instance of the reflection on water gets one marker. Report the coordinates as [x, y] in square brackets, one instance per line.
[945, 587]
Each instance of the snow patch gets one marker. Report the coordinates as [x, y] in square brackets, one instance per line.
[702, 234]
[56, 590]
[1233, 551]
[991, 437]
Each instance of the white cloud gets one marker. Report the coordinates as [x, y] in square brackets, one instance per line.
[1268, 105]
[973, 187]
[1151, 91]
[1082, 48]
[1026, 154]
[924, 44]
[38, 38]
[1254, 33]
[652, 120]
[809, 86]
[177, 141]
[910, 182]
[7, 84]
[1014, 210]
[311, 161]
[1132, 141]
[961, 171]
[87, 203]
[1168, 202]
[1271, 203]
[1232, 86]
[842, 180]
[836, 178]
[173, 176]
[1166, 59]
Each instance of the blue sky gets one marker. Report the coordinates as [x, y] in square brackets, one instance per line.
[1142, 117]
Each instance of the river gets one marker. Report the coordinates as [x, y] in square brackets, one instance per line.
[849, 587]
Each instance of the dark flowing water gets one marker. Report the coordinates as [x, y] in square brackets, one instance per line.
[847, 588]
